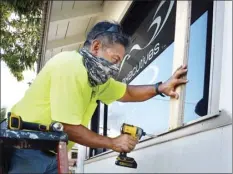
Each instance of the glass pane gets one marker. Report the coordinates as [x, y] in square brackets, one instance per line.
[196, 67]
[151, 115]
[101, 123]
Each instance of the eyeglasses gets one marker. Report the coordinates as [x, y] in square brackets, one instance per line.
[112, 29]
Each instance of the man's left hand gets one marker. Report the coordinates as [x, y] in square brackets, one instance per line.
[168, 88]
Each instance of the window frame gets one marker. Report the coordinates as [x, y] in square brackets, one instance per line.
[180, 57]
[74, 154]
[215, 118]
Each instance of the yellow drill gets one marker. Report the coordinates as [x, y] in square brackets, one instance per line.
[136, 132]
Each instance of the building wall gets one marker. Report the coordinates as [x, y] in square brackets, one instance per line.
[206, 151]
[226, 75]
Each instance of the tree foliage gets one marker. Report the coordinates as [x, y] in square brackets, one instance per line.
[20, 34]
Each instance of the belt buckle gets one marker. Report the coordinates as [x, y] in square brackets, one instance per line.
[14, 122]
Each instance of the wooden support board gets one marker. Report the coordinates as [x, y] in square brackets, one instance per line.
[181, 47]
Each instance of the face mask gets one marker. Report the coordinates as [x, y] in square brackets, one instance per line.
[99, 69]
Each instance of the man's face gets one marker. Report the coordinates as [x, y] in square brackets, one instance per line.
[113, 53]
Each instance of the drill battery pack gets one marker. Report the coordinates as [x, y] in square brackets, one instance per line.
[136, 132]
[124, 161]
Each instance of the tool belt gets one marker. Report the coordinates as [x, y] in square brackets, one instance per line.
[15, 122]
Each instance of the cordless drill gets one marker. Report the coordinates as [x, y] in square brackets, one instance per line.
[136, 132]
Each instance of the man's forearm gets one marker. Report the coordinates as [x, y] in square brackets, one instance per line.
[84, 136]
[139, 93]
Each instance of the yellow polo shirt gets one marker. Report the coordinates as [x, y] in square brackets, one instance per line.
[61, 93]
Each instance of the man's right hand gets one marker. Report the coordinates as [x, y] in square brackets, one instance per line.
[86, 137]
[124, 143]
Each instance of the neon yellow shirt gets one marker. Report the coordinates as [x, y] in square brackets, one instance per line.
[61, 92]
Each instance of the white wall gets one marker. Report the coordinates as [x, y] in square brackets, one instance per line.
[226, 79]
[205, 152]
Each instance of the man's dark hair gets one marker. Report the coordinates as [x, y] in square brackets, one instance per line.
[107, 33]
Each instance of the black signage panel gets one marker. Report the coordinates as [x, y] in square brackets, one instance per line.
[149, 40]
[151, 25]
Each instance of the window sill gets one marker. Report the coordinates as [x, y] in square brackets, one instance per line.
[203, 124]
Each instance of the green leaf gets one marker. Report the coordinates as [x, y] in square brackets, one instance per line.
[20, 35]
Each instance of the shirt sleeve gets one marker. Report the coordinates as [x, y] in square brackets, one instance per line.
[66, 99]
[113, 91]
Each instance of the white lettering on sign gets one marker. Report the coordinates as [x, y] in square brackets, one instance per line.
[142, 63]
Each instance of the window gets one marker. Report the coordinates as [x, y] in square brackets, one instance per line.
[155, 109]
[150, 59]
[196, 101]
[74, 155]
[196, 67]
[150, 62]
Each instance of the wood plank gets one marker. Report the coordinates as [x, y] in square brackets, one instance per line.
[91, 23]
[48, 56]
[181, 47]
[68, 41]
[71, 48]
[87, 4]
[52, 31]
[61, 30]
[67, 6]
[56, 6]
[77, 26]
[114, 10]
[56, 51]
[64, 15]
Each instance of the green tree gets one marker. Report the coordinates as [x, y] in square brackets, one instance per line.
[20, 34]
[3, 114]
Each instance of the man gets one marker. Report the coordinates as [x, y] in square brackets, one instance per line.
[67, 88]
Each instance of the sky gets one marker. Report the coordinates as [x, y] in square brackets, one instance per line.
[12, 90]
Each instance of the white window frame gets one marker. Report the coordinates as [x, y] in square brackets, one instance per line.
[216, 56]
[183, 17]
[215, 118]
[215, 69]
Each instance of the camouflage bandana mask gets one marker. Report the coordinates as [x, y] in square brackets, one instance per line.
[99, 69]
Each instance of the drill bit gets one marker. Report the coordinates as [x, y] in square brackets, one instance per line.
[151, 135]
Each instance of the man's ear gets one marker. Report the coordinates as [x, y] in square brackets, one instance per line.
[95, 47]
